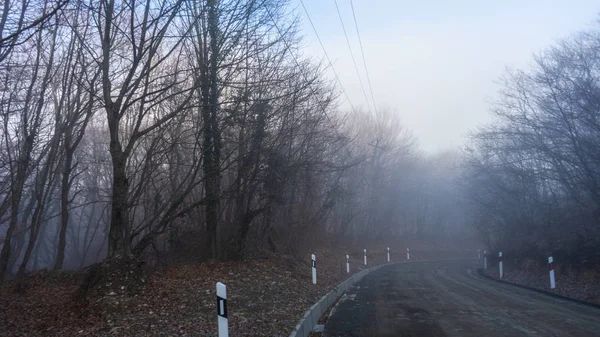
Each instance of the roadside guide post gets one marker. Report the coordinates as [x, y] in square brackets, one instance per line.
[551, 266]
[500, 264]
[314, 269]
[388, 254]
[347, 264]
[365, 256]
[407, 254]
[485, 259]
[222, 310]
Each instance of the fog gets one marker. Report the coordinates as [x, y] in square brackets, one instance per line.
[169, 138]
[437, 63]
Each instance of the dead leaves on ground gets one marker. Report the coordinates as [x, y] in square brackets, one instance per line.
[265, 298]
[586, 289]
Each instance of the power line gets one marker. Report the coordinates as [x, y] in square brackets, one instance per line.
[363, 56]
[288, 47]
[351, 53]
[327, 56]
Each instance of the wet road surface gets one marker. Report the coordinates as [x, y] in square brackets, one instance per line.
[448, 298]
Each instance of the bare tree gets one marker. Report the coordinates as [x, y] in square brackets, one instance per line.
[20, 21]
[135, 127]
[74, 101]
[536, 170]
[26, 114]
[134, 88]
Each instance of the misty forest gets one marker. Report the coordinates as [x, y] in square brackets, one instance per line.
[159, 135]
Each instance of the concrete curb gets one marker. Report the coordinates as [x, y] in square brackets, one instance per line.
[551, 294]
[312, 315]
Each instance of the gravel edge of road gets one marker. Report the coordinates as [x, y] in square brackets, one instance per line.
[548, 293]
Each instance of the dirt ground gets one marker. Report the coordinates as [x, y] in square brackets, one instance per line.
[585, 286]
[266, 298]
[448, 298]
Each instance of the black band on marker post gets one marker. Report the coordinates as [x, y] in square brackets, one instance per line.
[219, 301]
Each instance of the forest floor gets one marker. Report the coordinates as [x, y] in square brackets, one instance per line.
[584, 286]
[266, 297]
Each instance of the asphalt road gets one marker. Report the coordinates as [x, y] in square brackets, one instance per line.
[448, 298]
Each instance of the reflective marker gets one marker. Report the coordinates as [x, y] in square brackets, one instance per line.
[551, 266]
[347, 264]
[485, 259]
[500, 264]
[388, 254]
[222, 310]
[314, 269]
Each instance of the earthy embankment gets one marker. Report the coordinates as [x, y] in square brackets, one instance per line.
[582, 285]
[266, 297]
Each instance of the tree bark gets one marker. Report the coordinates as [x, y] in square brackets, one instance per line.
[119, 217]
[64, 211]
[212, 138]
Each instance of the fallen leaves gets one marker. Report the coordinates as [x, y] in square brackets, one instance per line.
[264, 300]
[266, 297]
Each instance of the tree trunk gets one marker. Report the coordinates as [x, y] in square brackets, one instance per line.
[46, 184]
[212, 137]
[64, 211]
[14, 214]
[33, 233]
[117, 237]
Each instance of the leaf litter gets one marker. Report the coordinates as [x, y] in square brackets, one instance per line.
[266, 297]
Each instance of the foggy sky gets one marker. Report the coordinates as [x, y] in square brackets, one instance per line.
[436, 62]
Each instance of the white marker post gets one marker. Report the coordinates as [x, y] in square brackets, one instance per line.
[407, 254]
[388, 251]
[485, 259]
[500, 264]
[222, 310]
[365, 256]
[479, 255]
[347, 264]
[314, 269]
[551, 265]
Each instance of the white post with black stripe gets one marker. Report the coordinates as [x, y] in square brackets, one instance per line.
[365, 256]
[222, 310]
[551, 266]
[485, 259]
[388, 253]
[500, 269]
[407, 253]
[347, 264]
[314, 269]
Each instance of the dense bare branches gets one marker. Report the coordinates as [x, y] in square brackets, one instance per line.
[535, 172]
[198, 129]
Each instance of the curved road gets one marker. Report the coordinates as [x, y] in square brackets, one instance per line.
[448, 298]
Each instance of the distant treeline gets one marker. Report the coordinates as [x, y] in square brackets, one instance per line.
[534, 173]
